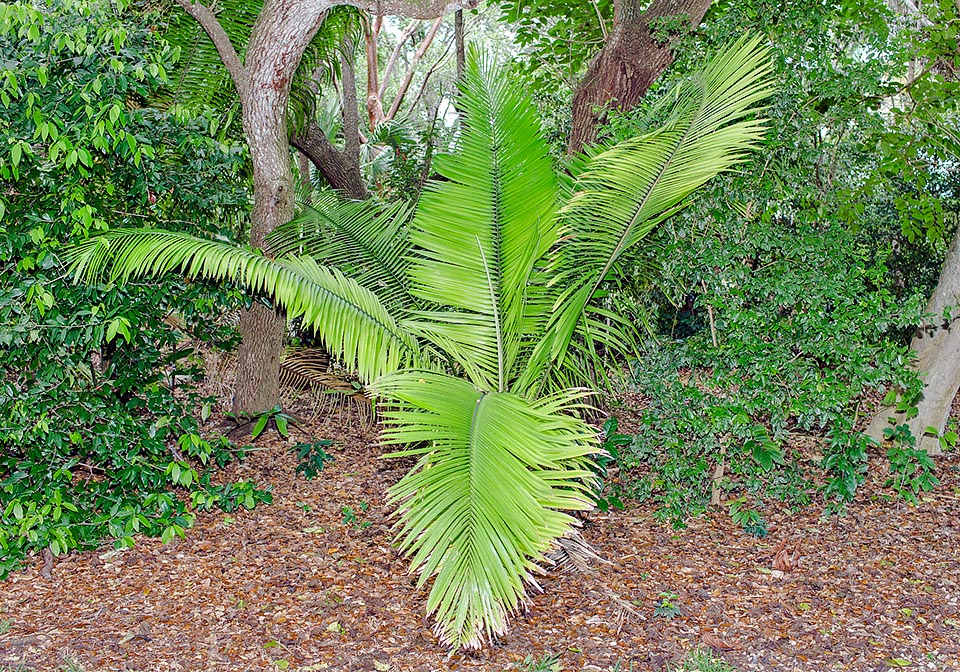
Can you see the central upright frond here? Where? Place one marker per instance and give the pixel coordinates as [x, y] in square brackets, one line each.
[480, 231]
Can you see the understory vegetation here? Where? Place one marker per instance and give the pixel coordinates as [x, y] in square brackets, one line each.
[737, 270]
[99, 410]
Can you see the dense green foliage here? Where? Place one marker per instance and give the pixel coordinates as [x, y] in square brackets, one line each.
[787, 292]
[97, 399]
[779, 302]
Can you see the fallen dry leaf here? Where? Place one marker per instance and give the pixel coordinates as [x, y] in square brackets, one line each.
[716, 643]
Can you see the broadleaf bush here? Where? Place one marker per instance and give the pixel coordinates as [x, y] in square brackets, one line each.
[97, 433]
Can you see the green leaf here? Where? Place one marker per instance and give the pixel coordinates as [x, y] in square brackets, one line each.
[112, 327]
[349, 319]
[502, 187]
[260, 425]
[485, 499]
[621, 193]
[281, 425]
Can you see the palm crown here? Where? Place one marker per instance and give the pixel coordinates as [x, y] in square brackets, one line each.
[473, 321]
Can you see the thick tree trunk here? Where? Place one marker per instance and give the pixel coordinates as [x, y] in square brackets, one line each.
[937, 346]
[630, 61]
[276, 45]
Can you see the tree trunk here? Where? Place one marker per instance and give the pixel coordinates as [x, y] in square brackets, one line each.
[340, 172]
[276, 45]
[262, 78]
[937, 346]
[630, 61]
[459, 39]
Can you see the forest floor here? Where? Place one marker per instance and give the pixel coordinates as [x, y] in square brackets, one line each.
[302, 585]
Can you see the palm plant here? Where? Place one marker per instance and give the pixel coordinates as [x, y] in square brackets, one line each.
[474, 323]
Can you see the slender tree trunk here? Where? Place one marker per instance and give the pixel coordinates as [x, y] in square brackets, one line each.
[418, 54]
[630, 61]
[371, 34]
[937, 346]
[303, 166]
[458, 38]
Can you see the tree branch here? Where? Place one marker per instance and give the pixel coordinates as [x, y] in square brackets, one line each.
[405, 84]
[335, 166]
[414, 9]
[407, 34]
[348, 105]
[211, 26]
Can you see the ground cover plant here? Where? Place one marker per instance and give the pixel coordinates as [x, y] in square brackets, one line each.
[481, 365]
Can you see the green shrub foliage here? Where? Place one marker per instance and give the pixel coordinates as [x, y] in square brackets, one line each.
[788, 292]
[96, 391]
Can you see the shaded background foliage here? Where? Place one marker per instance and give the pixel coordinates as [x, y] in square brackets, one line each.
[785, 296]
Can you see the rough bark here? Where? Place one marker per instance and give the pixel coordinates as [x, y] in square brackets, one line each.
[279, 37]
[337, 168]
[630, 61]
[937, 346]
[458, 38]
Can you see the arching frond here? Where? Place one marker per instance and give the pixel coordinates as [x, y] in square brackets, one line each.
[485, 501]
[349, 319]
[623, 192]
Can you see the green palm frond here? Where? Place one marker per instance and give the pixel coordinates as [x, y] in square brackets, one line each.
[480, 231]
[511, 294]
[200, 81]
[485, 501]
[623, 192]
[366, 240]
[349, 319]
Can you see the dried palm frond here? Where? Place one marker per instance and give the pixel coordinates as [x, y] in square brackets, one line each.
[309, 369]
[572, 553]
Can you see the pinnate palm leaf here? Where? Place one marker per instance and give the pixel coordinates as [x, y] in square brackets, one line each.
[368, 241]
[480, 231]
[623, 192]
[350, 320]
[485, 501]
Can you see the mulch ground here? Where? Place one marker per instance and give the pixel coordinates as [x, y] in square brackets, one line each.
[298, 585]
